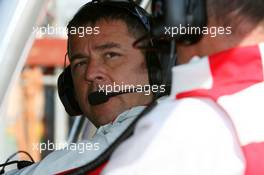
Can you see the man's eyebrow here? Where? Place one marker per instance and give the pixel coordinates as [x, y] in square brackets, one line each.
[77, 56]
[107, 46]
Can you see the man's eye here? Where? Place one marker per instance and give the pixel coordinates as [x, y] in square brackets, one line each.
[82, 63]
[112, 55]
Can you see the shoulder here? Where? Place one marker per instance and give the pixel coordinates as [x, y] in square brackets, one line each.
[191, 112]
[179, 134]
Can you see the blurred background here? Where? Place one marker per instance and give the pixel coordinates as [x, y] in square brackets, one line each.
[32, 50]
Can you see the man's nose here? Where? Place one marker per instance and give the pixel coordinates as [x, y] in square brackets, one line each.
[94, 71]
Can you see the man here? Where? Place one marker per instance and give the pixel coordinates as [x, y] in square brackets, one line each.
[98, 60]
[213, 122]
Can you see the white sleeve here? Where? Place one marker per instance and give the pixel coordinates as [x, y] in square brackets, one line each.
[186, 137]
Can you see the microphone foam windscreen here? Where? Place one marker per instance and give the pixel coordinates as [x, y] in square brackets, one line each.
[96, 98]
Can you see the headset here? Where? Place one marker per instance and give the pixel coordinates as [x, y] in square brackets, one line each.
[65, 84]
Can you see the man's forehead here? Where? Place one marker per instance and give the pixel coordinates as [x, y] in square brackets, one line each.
[106, 28]
[98, 44]
[115, 31]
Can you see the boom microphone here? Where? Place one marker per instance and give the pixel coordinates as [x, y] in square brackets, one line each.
[99, 97]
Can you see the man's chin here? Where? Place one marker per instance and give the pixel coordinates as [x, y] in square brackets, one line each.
[105, 113]
[101, 116]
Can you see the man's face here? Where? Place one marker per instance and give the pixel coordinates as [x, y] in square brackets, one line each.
[105, 59]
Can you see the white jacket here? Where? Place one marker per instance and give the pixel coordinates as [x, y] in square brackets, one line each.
[210, 124]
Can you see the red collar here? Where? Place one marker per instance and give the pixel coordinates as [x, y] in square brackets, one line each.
[231, 71]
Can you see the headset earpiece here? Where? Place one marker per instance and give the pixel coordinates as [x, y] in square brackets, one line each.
[172, 16]
[66, 93]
